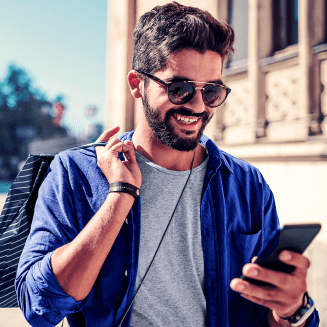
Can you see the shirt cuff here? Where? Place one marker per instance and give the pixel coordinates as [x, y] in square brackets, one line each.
[45, 291]
[262, 314]
[312, 321]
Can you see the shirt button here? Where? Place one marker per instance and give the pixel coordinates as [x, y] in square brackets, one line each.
[126, 221]
[207, 233]
[125, 272]
[213, 285]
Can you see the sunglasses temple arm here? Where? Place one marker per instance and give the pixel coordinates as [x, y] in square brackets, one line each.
[156, 79]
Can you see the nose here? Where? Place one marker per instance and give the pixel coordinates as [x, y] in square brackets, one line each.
[196, 102]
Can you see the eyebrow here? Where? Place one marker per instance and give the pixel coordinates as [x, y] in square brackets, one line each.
[185, 79]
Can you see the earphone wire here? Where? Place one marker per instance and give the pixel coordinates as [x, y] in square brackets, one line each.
[163, 236]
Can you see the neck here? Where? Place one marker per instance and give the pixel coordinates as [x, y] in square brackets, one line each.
[148, 146]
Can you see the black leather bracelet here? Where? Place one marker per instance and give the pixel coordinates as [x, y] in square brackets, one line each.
[125, 188]
[303, 313]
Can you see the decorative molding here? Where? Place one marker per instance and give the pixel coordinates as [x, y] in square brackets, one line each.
[283, 91]
[236, 110]
[319, 48]
[291, 151]
[287, 54]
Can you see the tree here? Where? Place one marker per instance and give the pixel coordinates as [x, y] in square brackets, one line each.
[25, 114]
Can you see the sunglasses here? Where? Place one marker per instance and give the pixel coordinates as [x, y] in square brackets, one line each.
[213, 95]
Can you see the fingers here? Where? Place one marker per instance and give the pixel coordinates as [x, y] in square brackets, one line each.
[130, 155]
[295, 259]
[283, 301]
[245, 287]
[125, 147]
[286, 291]
[279, 279]
[115, 146]
[105, 136]
[128, 150]
[112, 143]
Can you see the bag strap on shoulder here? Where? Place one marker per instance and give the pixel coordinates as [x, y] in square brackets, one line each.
[100, 143]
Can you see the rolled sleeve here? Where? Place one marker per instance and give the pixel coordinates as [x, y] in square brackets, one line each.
[42, 295]
[47, 291]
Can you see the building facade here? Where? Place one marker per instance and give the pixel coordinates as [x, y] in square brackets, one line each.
[275, 116]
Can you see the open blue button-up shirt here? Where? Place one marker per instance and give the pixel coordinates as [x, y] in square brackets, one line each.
[237, 217]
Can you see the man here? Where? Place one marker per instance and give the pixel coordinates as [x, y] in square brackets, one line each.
[92, 240]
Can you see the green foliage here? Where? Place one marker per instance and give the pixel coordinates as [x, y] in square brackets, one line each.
[25, 114]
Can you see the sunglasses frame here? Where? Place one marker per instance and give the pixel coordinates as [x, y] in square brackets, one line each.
[160, 81]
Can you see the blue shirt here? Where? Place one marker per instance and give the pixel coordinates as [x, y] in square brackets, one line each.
[238, 215]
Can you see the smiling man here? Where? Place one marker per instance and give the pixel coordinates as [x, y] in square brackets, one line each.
[160, 212]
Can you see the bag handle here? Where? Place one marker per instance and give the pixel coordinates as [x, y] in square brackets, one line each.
[100, 143]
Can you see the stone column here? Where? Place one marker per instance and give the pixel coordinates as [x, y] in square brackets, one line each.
[119, 104]
[305, 59]
[253, 41]
[255, 74]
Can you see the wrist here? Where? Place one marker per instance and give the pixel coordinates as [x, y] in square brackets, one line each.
[298, 318]
[121, 198]
[275, 321]
[122, 187]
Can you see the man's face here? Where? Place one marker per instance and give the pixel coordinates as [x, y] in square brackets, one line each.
[181, 126]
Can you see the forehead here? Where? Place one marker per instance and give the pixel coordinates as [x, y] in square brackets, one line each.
[193, 65]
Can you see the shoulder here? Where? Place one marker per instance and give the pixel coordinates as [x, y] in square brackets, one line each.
[237, 167]
[242, 168]
[76, 167]
[76, 158]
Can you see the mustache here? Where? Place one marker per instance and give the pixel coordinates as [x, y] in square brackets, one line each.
[186, 112]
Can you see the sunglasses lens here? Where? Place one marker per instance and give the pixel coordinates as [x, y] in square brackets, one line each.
[214, 95]
[180, 93]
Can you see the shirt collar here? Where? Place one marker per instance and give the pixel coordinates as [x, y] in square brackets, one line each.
[216, 156]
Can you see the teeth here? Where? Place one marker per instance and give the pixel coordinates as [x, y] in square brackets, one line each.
[186, 120]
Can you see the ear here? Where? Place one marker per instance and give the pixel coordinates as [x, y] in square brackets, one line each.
[135, 84]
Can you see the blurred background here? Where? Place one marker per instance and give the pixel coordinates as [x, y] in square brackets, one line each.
[52, 78]
[63, 68]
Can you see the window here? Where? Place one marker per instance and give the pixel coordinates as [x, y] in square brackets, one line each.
[238, 19]
[285, 23]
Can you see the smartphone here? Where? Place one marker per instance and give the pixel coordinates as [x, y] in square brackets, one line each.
[295, 238]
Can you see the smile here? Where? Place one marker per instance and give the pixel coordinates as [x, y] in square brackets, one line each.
[186, 120]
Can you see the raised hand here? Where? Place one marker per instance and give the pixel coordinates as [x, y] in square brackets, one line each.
[286, 295]
[112, 167]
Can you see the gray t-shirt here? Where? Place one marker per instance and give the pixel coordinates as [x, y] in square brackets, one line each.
[173, 291]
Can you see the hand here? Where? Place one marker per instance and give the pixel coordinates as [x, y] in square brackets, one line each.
[112, 167]
[286, 296]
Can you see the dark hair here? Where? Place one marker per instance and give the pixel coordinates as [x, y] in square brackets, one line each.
[168, 29]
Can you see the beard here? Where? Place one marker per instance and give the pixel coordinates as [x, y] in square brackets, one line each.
[163, 129]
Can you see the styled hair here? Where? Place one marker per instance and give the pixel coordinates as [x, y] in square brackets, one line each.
[168, 29]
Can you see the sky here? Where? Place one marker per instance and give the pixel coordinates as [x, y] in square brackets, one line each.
[62, 46]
